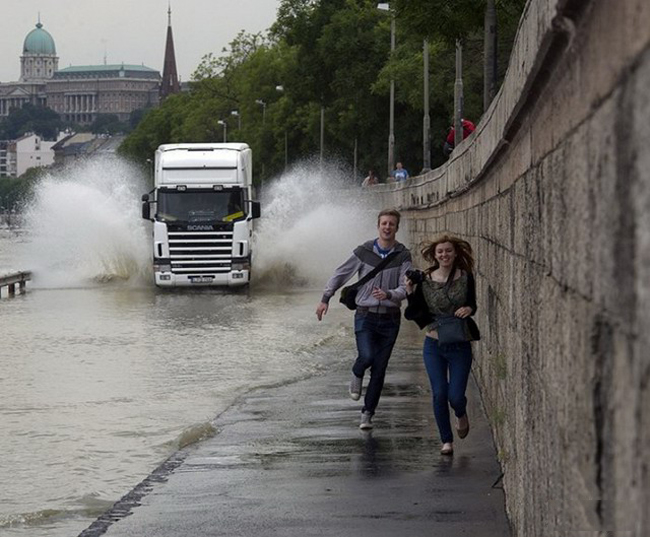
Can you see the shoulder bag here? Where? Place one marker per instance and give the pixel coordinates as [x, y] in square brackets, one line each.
[452, 329]
[348, 296]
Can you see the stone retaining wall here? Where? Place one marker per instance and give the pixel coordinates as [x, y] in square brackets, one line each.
[553, 192]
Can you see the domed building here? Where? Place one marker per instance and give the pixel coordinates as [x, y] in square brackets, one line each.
[79, 93]
[39, 60]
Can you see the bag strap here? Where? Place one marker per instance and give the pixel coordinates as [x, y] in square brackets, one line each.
[381, 266]
[450, 280]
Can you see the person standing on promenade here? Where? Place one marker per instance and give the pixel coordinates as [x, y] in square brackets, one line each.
[371, 179]
[400, 173]
[442, 299]
[377, 315]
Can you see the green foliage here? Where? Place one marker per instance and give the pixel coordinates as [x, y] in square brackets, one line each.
[136, 116]
[108, 124]
[15, 192]
[37, 119]
[442, 19]
[335, 55]
[159, 126]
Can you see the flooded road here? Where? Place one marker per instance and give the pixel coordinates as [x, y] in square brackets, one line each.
[103, 376]
[98, 386]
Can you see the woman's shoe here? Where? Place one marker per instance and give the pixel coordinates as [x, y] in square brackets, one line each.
[462, 426]
[447, 449]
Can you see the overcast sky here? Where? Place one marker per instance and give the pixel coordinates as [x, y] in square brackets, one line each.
[129, 31]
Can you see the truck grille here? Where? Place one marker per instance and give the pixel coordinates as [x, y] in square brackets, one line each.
[200, 252]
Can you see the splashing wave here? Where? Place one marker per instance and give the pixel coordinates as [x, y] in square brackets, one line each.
[311, 222]
[84, 226]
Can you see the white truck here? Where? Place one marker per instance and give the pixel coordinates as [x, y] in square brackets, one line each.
[202, 214]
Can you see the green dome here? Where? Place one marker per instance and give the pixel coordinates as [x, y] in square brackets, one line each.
[39, 41]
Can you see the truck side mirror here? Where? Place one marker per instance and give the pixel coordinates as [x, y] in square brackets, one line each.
[146, 208]
[255, 209]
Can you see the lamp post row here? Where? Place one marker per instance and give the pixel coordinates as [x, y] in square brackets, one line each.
[426, 120]
[262, 103]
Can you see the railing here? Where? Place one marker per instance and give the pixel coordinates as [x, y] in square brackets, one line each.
[11, 280]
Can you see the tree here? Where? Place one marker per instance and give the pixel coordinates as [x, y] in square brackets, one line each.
[161, 125]
[463, 20]
[108, 124]
[40, 120]
[332, 55]
[16, 191]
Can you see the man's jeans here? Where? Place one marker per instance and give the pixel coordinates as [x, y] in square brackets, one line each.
[375, 334]
[448, 366]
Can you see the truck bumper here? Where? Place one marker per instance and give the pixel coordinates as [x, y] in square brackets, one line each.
[235, 278]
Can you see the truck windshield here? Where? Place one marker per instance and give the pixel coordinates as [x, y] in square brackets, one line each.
[195, 206]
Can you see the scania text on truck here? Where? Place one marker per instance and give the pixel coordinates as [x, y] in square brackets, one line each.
[202, 214]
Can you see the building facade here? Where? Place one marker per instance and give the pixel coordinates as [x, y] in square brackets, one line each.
[7, 159]
[78, 94]
[31, 151]
[28, 151]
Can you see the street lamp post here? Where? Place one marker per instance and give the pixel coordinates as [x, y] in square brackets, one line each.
[426, 122]
[225, 129]
[263, 105]
[490, 52]
[322, 135]
[458, 96]
[236, 113]
[385, 6]
[286, 137]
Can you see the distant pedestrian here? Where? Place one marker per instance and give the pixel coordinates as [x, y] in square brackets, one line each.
[400, 173]
[377, 315]
[450, 142]
[442, 299]
[371, 179]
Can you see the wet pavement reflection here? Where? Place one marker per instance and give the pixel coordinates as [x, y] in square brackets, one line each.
[292, 461]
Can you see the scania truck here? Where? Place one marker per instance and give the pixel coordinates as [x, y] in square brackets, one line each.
[202, 213]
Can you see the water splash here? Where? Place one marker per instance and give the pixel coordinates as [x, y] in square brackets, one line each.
[311, 221]
[84, 226]
[194, 434]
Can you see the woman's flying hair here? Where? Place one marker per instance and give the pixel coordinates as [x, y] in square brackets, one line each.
[464, 255]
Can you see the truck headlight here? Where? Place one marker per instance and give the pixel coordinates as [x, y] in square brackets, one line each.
[162, 268]
[241, 266]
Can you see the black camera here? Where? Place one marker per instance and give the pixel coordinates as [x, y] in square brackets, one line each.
[416, 276]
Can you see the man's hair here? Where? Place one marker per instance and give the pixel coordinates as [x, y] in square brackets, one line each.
[389, 212]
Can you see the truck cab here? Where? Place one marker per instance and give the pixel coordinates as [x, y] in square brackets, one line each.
[202, 213]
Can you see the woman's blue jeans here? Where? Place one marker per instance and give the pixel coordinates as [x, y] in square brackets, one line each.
[375, 334]
[448, 366]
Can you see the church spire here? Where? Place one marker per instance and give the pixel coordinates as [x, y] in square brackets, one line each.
[170, 83]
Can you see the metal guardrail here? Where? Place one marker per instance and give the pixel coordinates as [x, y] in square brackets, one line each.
[11, 280]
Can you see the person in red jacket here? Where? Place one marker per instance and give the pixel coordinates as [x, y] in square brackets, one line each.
[468, 128]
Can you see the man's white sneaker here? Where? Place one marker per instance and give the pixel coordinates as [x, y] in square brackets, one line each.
[366, 421]
[355, 387]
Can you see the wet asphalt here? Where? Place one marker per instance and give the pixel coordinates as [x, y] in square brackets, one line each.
[291, 461]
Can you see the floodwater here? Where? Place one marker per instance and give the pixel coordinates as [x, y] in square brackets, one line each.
[103, 376]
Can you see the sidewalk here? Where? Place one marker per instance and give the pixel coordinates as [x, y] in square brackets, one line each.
[291, 461]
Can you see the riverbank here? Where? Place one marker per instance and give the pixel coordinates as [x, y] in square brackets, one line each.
[292, 461]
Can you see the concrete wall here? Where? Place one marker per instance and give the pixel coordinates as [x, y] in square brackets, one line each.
[553, 192]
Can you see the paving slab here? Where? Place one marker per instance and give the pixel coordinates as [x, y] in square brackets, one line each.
[291, 461]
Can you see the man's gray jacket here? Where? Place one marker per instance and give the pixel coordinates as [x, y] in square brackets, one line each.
[390, 279]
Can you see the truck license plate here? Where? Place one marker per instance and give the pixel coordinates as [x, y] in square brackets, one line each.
[202, 279]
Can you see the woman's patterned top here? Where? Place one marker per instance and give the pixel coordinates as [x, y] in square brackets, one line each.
[444, 302]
